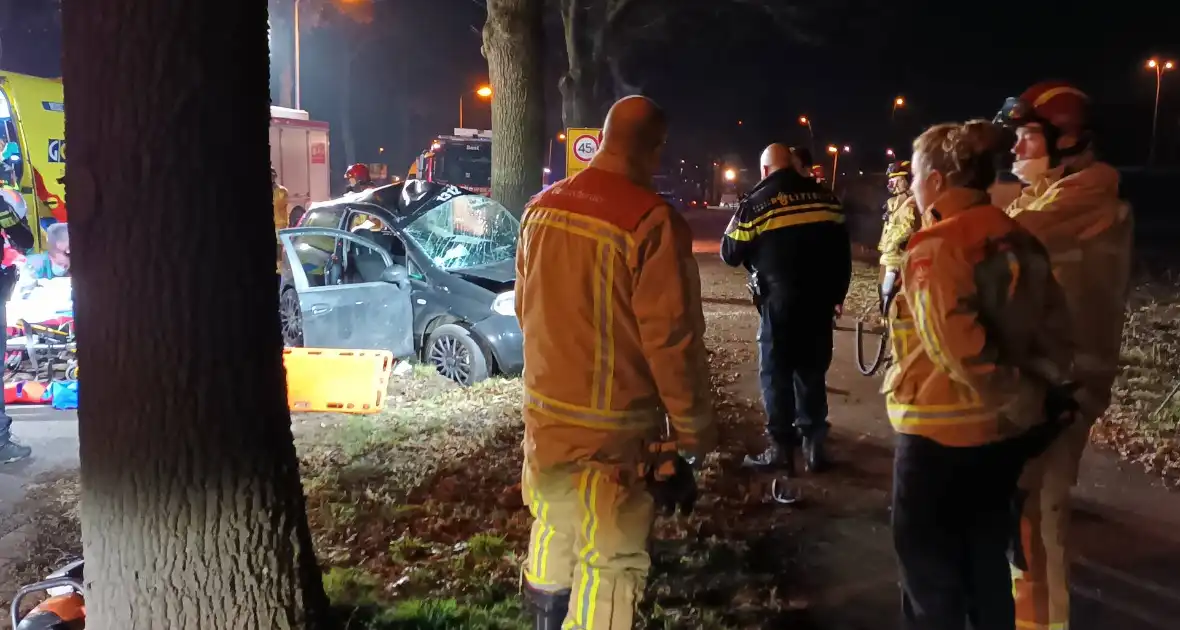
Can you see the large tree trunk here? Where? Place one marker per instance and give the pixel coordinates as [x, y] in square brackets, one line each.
[513, 44]
[192, 510]
[578, 86]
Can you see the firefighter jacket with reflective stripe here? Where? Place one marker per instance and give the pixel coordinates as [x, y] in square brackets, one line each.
[278, 198]
[791, 230]
[609, 300]
[900, 222]
[1088, 232]
[980, 329]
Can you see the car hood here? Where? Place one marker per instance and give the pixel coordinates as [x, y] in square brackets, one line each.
[496, 278]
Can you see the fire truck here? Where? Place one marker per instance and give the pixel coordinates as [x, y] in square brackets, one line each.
[463, 159]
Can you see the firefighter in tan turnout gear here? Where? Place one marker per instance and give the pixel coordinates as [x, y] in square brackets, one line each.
[608, 297]
[901, 220]
[1072, 205]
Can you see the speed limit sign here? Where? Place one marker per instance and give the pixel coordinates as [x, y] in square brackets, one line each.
[581, 148]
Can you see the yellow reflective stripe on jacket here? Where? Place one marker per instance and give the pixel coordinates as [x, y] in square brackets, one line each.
[950, 425]
[688, 426]
[612, 242]
[787, 217]
[579, 224]
[590, 418]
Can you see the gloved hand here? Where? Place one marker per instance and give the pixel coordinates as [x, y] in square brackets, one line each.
[671, 482]
[676, 492]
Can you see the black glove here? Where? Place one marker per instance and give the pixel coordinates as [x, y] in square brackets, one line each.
[673, 486]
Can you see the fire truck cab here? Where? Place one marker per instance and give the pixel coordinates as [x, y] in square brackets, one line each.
[463, 159]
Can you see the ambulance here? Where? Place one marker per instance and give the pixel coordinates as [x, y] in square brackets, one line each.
[33, 148]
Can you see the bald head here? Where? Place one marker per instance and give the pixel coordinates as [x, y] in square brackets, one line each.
[775, 158]
[633, 138]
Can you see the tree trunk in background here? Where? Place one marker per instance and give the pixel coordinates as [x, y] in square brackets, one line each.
[192, 510]
[513, 45]
[579, 107]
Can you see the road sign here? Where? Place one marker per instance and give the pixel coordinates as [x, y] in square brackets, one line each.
[581, 147]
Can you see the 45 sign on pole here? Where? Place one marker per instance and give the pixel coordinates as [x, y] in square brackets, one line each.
[580, 147]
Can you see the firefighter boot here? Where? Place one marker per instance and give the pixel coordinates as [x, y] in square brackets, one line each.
[776, 456]
[548, 609]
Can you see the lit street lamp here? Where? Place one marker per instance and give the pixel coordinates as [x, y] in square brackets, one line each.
[836, 160]
[484, 92]
[549, 163]
[897, 102]
[1160, 67]
[889, 153]
[730, 174]
[806, 122]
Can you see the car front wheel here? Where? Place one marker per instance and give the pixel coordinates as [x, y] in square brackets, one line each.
[292, 318]
[455, 354]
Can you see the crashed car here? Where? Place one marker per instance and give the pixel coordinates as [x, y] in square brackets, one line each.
[420, 269]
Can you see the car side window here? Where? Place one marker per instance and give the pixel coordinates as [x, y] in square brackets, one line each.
[322, 218]
[415, 271]
[374, 228]
[319, 263]
[364, 263]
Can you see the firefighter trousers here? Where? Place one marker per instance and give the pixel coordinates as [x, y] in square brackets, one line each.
[951, 529]
[1040, 572]
[794, 354]
[590, 536]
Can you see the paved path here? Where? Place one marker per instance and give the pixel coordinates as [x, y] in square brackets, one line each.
[1126, 523]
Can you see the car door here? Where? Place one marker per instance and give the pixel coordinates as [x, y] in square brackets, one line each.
[343, 298]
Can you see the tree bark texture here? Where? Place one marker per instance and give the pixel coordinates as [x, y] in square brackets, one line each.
[513, 45]
[192, 510]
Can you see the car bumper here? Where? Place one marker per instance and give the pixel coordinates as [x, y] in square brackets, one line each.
[503, 336]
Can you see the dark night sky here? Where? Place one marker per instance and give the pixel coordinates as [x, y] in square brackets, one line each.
[949, 62]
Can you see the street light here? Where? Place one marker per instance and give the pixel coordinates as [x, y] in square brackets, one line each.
[1160, 67]
[730, 174]
[897, 102]
[889, 153]
[549, 163]
[806, 122]
[836, 160]
[483, 91]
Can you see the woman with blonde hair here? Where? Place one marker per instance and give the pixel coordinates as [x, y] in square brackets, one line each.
[979, 334]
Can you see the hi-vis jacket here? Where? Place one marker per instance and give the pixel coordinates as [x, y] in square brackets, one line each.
[901, 221]
[1088, 232]
[278, 198]
[979, 330]
[609, 299]
[791, 230]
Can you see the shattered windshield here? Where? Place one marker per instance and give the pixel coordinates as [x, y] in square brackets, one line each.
[466, 231]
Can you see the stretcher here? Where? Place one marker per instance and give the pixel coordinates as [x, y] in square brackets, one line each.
[48, 347]
[40, 332]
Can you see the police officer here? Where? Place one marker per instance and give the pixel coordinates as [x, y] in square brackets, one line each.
[901, 220]
[789, 233]
[21, 238]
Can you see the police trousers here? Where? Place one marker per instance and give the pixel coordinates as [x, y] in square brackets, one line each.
[590, 537]
[794, 354]
[952, 519]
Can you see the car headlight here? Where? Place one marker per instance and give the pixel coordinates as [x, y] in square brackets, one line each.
[505, 303]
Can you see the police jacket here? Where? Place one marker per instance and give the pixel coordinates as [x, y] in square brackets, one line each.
[791, 231]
